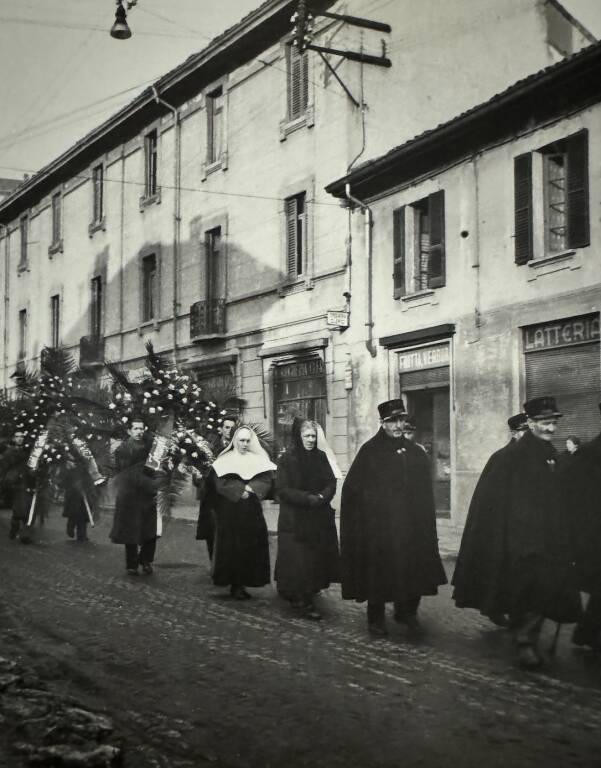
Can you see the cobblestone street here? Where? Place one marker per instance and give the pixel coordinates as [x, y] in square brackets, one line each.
[190, 677]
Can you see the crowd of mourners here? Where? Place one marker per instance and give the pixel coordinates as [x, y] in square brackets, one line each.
[530, 546]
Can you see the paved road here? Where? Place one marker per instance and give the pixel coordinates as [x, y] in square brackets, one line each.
[192, 677]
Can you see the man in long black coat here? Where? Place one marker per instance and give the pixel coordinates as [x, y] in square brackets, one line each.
[479, 566]
[389, 545]
[584, 478]
[19, 483]
[135, 521]
[532, 571]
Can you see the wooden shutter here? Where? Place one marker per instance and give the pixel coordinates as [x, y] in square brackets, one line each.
[298, 82]
[436, 272]
[578, 203]
[522, 171]
[291, 240]
[398, 244]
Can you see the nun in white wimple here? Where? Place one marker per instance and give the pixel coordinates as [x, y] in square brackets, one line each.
[308, 559]
[241, 477]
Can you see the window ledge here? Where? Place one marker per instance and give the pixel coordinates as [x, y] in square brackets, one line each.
[95, 226]
[306, 120]
[287, 287]
[55, 248]
[554, 262]
[149, 325]
[217, 165]
[418, 299]
[147, 200]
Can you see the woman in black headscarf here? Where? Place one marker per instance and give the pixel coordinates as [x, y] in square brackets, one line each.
[308, 558]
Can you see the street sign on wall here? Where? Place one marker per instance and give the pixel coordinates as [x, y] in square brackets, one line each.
[337, 318]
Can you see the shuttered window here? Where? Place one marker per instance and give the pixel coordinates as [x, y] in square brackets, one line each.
[214, 125]
[150, 158]
[298, 82]
[571, 375]
[398, 242]
[149, 287]
[54, 320]
[578, 197]
[294, 210]
[522, 171]
[56, 217]
[96, 307]
[436, 265]
[566, 198]
[98, 193]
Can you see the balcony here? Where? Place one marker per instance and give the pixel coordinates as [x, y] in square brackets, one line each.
[207, 319]
[91, 351]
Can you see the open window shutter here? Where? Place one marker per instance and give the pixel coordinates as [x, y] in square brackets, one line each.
[522, 170]
[294, 91]
[304, 82]
[398, 242]
[210, 129]
[578, 205]
[436, 277]
[291, 245]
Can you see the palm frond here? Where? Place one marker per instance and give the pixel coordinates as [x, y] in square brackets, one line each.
[155, 362]
[120, 377]
[265, 435]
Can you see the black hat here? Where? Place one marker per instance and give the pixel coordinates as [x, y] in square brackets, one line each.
[519, 421]
[409, 425]
[542, 408]
[391, 408]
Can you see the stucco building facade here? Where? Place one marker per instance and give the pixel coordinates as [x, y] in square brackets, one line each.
[197, 218]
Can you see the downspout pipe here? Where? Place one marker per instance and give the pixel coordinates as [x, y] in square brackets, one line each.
[176, 207]
[369, 323]
[6, 306]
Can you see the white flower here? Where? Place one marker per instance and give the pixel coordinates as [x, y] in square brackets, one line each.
[155, 391]
[124, 419]
[146, 394]
[112, 406]
[184, 399]
[194, 455]
[152, 410]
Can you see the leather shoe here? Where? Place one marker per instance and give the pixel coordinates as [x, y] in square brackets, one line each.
[147, 568]
[498, 619]
[528, 658]
[132, 571]
[584, 635]
[377, 629]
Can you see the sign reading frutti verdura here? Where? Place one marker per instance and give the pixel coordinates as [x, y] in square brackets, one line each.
[434, 356]
[562, 333]
[338, 318]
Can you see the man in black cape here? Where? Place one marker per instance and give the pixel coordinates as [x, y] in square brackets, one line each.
[584, 479]
[532, 571]
[389, 546]
[480, 560]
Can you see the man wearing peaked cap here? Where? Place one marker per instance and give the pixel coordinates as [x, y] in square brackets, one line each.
[584, 503]
[476, 577]
[389, 547]
[529, 576]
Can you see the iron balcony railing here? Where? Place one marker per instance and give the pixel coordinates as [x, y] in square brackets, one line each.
[91, 351]
[207, 318]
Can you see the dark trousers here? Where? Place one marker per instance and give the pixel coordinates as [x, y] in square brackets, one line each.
[376, 611]
[526, 629]
[136, 555]
[77, 527]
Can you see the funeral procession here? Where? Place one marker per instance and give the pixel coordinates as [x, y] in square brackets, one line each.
[300, 383]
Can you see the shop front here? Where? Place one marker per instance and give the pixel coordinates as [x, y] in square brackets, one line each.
[299, 389]
[420, 372]
[562, 359]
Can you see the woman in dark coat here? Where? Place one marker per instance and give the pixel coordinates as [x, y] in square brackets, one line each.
[239, 480]
[135, 521]
[308, 559]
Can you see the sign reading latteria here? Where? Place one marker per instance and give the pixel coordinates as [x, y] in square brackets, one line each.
[562, 333]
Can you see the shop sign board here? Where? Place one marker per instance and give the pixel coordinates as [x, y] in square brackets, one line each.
[435, 356]
[561, 333]
[337, 318]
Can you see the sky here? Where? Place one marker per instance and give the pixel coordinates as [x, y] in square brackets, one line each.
[62, 73]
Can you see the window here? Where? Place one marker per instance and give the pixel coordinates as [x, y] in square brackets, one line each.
[562, 214]
[55, 321]
[215, 125]
[150, 160]
[96, 307]
[298, 82]
[98, 194]
[295, 213]
[22, 352]
[419, 246]
[24, 230]
[215, 266]
[56, 218]
[299, 389]
[149, 287]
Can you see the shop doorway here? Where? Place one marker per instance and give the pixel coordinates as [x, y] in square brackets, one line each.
[430, 410]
